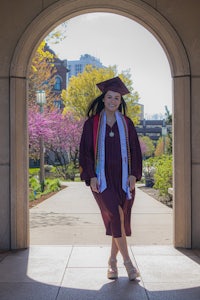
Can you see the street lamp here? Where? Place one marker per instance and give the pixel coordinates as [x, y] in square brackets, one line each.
[164, 133]
[41, 100]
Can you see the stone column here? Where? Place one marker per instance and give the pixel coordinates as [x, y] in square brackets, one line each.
[195, 132]
[19, 164]
[182, 162]
[4, 165]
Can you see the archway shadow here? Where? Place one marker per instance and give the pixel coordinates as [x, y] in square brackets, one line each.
[34, 274]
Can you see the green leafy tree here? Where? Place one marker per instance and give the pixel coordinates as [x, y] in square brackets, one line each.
[168, 120]
[162, 146]
[57, 35]
[150, 148]
[168, 116]
[41, 75]
[42, 70]
[82, 90]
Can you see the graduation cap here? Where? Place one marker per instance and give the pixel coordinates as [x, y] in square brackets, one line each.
[114, 84]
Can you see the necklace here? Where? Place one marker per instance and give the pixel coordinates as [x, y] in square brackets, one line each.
[111, 133]
[110, 122]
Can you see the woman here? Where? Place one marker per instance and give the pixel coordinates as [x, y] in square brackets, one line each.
[111, 163]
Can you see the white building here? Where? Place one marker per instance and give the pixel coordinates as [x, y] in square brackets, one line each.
[78, 66]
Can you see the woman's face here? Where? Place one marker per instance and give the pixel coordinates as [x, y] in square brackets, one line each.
[112, 101]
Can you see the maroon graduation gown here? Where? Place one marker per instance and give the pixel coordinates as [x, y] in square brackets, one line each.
[114, 196]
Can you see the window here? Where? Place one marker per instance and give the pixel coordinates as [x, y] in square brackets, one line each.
[78, 69]
[57, 85]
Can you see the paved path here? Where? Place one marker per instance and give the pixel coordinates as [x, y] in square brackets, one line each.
[72, 217]
[68, 256]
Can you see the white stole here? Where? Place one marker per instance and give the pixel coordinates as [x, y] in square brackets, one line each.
[100, 168]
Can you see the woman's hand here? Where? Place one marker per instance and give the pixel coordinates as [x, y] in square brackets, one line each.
[94, 184]
[131, 182]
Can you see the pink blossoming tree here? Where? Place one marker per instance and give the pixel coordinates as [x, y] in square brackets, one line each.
[61, 134]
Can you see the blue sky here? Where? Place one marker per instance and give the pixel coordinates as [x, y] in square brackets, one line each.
[117, 40]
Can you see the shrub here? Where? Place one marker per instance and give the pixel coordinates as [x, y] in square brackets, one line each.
[34, 171]
[34, 188]
[51, 185]
[163, 174]
[159, 171]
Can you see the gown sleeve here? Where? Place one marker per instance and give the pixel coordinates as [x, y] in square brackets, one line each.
[86, 153]
[135, 151]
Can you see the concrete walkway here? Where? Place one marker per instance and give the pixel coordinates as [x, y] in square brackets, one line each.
[68, 255]
[72, 217]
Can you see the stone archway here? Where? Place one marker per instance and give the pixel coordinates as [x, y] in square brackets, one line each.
[173, 47]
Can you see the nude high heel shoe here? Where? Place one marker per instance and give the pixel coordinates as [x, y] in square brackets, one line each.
[133, 273]
[112, 272]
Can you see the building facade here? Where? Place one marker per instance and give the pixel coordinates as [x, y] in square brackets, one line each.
[151, 128]
[60, 77]
[77, 66]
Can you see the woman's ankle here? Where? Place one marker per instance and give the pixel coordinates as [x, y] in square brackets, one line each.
[112, 259]
[126, 259]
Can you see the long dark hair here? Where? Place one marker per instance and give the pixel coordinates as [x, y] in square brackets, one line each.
[97, 105]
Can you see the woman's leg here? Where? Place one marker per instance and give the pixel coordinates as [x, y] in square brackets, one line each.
[123, 248]
[114, 249]
[112, 263]
[121, 242]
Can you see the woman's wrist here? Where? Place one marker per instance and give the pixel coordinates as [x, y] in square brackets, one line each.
[94, 184]
[93, 178]
[133, 176]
